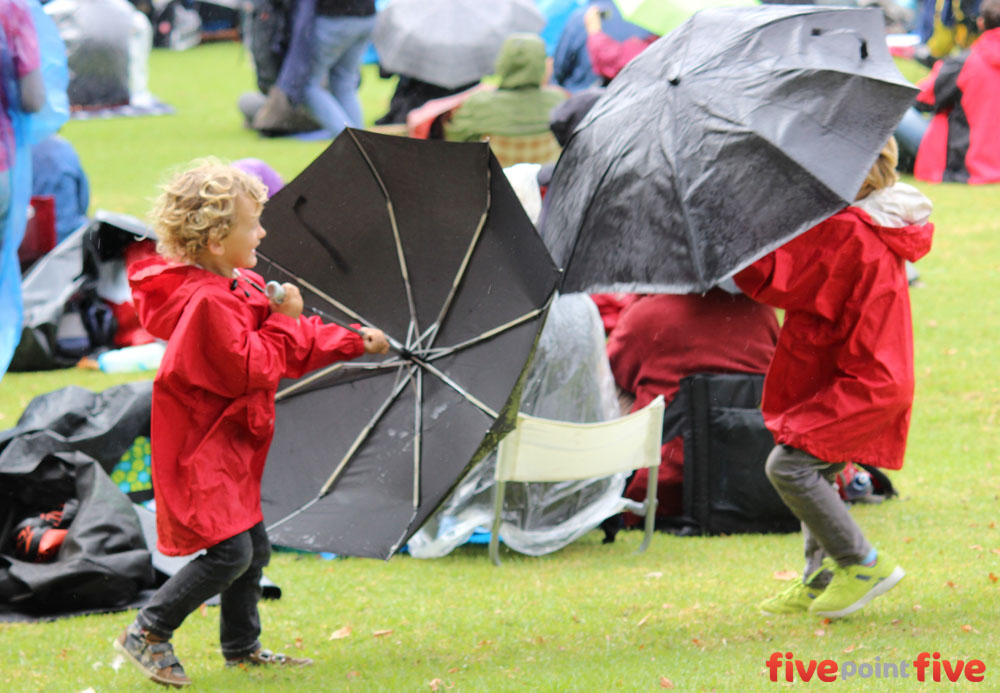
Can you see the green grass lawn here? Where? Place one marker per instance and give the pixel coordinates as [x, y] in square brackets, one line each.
[591, 617]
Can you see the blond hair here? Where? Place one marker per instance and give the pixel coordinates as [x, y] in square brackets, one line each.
[198, 205]
[883, 171]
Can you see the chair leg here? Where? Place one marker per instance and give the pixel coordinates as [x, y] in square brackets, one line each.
[498, 493]
[651, 484]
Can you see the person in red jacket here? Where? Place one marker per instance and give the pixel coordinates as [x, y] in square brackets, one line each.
[840, 386]
[213, 407]
[659, 339]
[962, 141]
[607, 56]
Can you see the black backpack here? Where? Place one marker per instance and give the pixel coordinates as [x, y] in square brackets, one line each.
[268, 34]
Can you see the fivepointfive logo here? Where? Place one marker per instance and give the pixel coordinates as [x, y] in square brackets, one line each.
[783, 666]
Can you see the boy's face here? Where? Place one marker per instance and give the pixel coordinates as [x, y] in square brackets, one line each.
[239, 248]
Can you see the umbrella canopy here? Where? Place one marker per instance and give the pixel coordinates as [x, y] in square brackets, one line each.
[427, 241]
[449, 42]
[663, 16]
[720, 142]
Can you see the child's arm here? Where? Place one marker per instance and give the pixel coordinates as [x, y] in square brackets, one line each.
[791, 276]
[220, 347]
[326, 339]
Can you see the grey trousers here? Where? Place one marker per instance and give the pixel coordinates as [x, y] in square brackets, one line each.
[805, 483]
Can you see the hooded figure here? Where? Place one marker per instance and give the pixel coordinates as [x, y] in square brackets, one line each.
[962, 141]
[214, 393]
[840, 385]
[519, 106]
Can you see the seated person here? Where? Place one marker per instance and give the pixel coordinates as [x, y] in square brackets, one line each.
[962, 141]
[519, 106]
[282, 70]
[607, 55]
[662, 338]
[56, 171]
[97, 50]
[571, 67]
[413, 93]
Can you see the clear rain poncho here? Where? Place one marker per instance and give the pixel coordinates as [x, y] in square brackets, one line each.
[569, 380]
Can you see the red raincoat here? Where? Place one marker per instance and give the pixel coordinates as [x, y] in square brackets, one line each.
[660, 339]
[213, 397]
[962, 142]
[840, 385]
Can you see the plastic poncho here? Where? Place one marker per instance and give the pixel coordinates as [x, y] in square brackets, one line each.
[569, 380]
[26, 130]
[213, 397]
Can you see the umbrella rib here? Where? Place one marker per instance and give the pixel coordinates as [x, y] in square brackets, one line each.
[433, 330]
[363, 365]
[418, 418]
[396, 346]
[319, 292]
[441, 352]
[350, 453]
[364, 433]
[400, 255]
[456, 387]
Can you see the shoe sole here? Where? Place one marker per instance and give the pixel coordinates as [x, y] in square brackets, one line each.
[881, 588]
[783, 613]
[145, 672]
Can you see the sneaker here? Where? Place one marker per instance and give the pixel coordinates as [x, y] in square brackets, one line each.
[854, 586]
[154, 658]
[796, 599]
[268, 658]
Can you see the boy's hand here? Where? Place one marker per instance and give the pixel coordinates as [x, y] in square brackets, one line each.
[292, 305]
[375, 341]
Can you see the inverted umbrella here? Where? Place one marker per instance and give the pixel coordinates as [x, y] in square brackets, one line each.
[720, 142]
[449, 42]
[427, 241]
[663, 16]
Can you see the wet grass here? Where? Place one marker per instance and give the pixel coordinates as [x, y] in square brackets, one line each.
[591, 617]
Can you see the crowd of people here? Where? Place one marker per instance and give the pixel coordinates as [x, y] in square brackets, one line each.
[839, 367]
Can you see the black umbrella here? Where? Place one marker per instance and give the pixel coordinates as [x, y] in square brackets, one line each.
[721, 141]
[427, 241]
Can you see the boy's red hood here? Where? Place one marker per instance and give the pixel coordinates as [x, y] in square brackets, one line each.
[161, 289]
[898, 215]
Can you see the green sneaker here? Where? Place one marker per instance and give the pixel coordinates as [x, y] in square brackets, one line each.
[854, 586]
[794, 600]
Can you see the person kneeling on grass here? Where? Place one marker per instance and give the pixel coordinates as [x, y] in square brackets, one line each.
[840, 386]
[213, 407]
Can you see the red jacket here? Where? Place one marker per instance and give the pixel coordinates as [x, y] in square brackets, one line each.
[840, 385]
[962, 142]
[213, 397]
[660, 339]
[608, 57]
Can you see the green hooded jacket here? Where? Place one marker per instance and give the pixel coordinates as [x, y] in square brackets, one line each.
[519, 106]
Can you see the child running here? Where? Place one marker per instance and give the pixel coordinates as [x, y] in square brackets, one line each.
[213, 407]
[840, 386]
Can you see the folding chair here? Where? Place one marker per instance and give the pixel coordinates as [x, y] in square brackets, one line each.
[546, 450]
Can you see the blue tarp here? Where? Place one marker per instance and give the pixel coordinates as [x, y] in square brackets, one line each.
[27, 130]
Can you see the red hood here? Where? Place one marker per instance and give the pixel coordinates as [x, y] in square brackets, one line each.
[988, 46]
[898, 215]
[161, 290]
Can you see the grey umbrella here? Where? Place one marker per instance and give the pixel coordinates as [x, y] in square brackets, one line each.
[720, 142]
[449, 42]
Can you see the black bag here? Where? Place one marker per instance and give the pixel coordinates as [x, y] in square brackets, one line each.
[725, 448]
[269, 30]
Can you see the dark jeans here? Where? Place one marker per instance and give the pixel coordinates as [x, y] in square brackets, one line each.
[232, 568]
